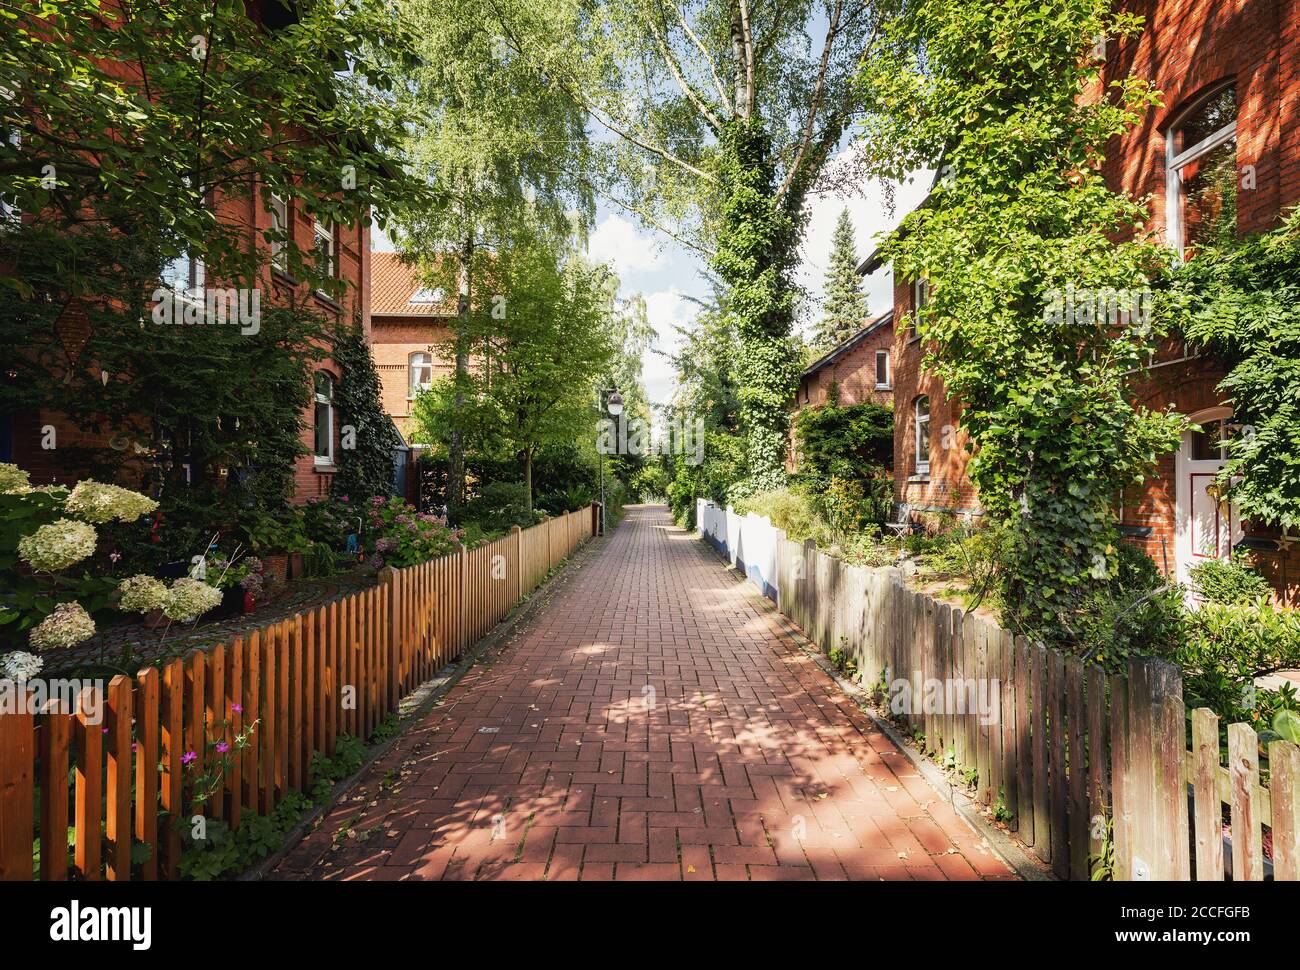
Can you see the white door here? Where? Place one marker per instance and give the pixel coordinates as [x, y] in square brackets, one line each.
[1207, 526]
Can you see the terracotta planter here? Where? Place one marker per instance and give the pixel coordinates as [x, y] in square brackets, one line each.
[295, 565]
[154, 619]
[276, 567]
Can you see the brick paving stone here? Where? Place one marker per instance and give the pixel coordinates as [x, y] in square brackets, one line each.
[655, 720]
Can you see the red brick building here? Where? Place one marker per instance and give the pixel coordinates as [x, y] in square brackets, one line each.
[408, 335]
[1223, 153]
[347, 251]
[861, 369]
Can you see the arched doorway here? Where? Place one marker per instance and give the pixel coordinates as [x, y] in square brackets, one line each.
[1206, 525]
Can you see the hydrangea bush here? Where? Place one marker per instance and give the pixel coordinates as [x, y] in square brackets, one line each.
[50, 585]
[403, 536]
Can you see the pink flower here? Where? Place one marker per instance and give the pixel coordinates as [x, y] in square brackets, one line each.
[188, 757]
[222, 747]
[237, 708]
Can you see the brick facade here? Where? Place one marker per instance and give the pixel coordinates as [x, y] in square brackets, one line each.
[1186, 49]
[401, 328]
[851, 367]
[240, 205]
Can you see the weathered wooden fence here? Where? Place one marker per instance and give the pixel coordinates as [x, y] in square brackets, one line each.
[1076, 761]
[84, 793]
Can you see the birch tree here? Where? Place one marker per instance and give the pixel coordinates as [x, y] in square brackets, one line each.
[718, 117]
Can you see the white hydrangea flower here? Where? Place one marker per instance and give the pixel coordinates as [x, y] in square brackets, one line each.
[21, 665]
[67, 626]
[188, 599]
[142, 593]
[12, 478]
[97, 502]
[57, 546]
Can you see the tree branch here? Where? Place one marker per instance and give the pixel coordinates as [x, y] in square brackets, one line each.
[717, 81]
[814, 104]
[709, 117]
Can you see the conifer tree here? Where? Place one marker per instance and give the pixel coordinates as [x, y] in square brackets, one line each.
[844, 304]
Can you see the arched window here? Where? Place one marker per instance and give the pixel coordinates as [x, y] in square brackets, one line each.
[921, 427]
[1202, 172]
[421, 373]
[324, 441]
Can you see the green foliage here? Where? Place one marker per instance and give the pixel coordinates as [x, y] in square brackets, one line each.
[791, 510]
[1242, 302]
[1227, 648]
[498, 506]
[756, 248]
[145, 112]
[549, 337]
[365, 468]
[399, 535]
[843, 303]
[853, 441]
[1022, 211]
[1232, 583]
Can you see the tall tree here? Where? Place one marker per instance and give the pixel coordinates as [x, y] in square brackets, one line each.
[497, 146]
[844, 306]
[723, 115]
[548, 341]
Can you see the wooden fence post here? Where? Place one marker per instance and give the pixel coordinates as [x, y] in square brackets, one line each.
[518, 591]
[393, 646]
[17, 797]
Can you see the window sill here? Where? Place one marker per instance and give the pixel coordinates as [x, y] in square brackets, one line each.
[327, 300]
[283, 277]
[324, 468]
[921, 478]
[884, 387]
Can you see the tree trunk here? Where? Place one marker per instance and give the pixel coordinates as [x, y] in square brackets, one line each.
[528, 476]
[757, 245]
[456, 447]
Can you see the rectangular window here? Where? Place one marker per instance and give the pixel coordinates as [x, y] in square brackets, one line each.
[1202, 174]
[920, 297]
[280, 224]
[922, 428]
[882, 369]
[323, 246]
[324, 430]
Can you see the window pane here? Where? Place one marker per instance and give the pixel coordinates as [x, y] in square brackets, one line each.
[923, 440]
[882, 367]
[1213, 115]
[1209, 197]
[922, 407]
[323, 430]
[324, 385]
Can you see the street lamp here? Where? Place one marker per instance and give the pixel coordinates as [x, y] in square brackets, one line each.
[613, 403]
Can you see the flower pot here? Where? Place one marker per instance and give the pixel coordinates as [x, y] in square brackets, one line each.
[154, 619]
[295, 565]
[249, 601]
[276, 567]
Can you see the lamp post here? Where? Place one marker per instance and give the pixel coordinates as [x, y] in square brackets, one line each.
[611, 401]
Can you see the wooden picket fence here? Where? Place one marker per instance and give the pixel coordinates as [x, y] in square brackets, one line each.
[67, 780]
[1082, 765]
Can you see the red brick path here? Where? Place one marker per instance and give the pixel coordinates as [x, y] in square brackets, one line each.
[653, 721]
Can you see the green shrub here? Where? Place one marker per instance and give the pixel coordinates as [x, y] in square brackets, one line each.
[1227, 647]
[1232, 582]
[498, 506]
[791, 511]
[1139, 612]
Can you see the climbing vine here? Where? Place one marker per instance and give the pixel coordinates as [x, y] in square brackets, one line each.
[1242, 303]
[755, 252]
[1021, 216]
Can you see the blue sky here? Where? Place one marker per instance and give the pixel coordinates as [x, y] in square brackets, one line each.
[649, 263]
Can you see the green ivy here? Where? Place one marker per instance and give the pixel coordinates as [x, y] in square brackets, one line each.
[1242, 303]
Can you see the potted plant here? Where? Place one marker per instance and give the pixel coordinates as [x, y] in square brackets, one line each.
[275, 537]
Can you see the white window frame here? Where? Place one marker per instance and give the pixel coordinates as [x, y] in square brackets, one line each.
[413, 387]
[889, 373]
[425, 296]
[920, 297]
[1176, 162]
[280, 223]
[921, 427]
[321, 230]
[328, 400]
[185, 276]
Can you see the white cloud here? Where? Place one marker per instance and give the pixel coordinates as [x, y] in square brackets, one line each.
[618, 242]
[666, 310]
